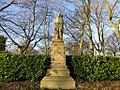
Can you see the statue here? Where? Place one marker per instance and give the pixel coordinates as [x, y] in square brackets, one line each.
[58, 27]
[58, 74]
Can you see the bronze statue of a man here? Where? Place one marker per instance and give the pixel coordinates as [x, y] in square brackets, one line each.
[58, 27]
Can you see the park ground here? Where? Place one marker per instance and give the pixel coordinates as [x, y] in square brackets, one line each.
[29, 85]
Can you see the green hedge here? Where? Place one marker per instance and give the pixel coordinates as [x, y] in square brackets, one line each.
[92, 68]
[34, 67]
[23, 67]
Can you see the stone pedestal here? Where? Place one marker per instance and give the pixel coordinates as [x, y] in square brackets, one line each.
[58, 75]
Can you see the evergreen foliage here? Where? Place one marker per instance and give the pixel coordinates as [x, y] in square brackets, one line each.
[34, 67]
[23, 67]
[94, 68]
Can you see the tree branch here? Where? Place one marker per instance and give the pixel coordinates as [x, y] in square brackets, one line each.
[9, 36]
[7, 5]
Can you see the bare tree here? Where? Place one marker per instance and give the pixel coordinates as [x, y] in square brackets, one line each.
[25, 25]
[80, 26]
[110, 20]
[46, 27]
[82, 21]
[99, 19]
[112, 45]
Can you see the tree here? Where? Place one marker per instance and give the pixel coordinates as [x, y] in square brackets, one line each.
[30, 24]
[46, 27]
[110, 20]
[99, 20]
[112, 45]
[80, 26]
[82, 20]
[25, 24]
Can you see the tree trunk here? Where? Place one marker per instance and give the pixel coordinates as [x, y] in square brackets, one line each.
[81, 40]
[45, 38]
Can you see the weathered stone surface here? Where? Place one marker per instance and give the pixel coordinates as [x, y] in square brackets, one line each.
[58, 74]
[55, 82]
[58, 53]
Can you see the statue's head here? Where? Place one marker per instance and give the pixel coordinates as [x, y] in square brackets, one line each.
[60, 15]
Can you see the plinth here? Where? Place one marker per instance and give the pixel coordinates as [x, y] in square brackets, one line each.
[58, 74]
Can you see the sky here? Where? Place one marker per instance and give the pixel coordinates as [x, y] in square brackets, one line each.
[70, 6]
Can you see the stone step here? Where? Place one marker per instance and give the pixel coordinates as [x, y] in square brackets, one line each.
[58, 66]
[58, 72]
[55, 82]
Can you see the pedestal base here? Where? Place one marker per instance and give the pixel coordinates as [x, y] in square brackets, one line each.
[58, 77]
[56, 82]
[58, 74]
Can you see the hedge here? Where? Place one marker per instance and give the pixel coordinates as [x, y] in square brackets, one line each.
[94, 68]
[23, 67]
[34, 67]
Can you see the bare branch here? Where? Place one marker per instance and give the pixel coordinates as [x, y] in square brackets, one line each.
[9, 36]
[7, 5]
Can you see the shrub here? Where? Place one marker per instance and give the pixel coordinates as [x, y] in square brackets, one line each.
[94, 68]
[34, 67]
[23, 67]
